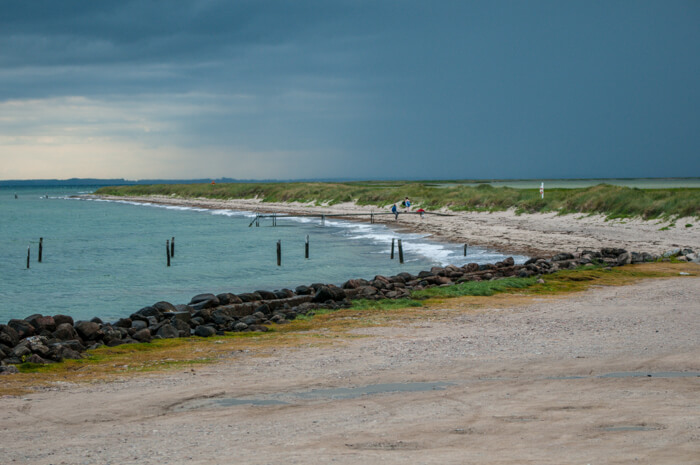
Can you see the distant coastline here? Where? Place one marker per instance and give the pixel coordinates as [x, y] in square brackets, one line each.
[648, 183]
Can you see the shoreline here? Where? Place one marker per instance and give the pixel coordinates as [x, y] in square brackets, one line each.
[534, 235]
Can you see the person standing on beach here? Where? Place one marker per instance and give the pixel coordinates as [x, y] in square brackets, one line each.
[406, 204]
[395, 212]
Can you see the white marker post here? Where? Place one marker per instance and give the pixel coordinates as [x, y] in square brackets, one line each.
[542, 190]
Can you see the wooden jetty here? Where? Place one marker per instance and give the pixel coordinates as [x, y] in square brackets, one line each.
[322, 216]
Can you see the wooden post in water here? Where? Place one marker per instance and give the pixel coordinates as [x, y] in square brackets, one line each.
[279, 253]
[323, 220]
[167, 250]
[371, 218]
[41, 248]
[465, 250]
[392, 248]
[172, 247]
[306, 248]
[29, 248]
[400, 252]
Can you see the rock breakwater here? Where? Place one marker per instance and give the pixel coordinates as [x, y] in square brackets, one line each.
[50, 339]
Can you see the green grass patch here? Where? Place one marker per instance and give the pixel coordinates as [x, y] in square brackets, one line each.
[312, 313]
[384, 304]
[475, 288]
[615, 202]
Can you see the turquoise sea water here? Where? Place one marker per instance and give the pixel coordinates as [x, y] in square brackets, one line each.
[108, 259]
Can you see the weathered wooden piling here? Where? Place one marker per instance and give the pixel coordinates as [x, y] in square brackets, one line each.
[371, 218]
[323, 220]
[465, 250]
[306, 247]
[167, 250]
[400, 252]
[41, 248]
[279, 253]
[29, 251]
[172, 247]
[392, 248]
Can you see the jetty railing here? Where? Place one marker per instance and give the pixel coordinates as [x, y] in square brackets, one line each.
[323, 216]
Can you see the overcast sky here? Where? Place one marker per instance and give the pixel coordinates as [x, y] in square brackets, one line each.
[349, 89]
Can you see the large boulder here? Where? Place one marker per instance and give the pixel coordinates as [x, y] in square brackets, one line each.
[111, 335]
[8, 370]
[65, 352]
[227, 298]
[284, 293]
[303, 290]
[267, 295]
[43, 323]
[138, 325]
[184, 308]
[322, 294]
[220, 318]
[263, 309]
[36, 358]
[624, 259]
[355, 283]
[147, 312]
[164, 307]
[184, 317]
[167, 331]
[182, 327]
[470, 267]
[123, 323]
[60, 319]
[65, 332]
[612, 252]
[8, 336]
[201, 301]
[204, 331]
[88, 330]
[22, 327]
[142, 335]
[330, 292]
[250, 297]
[38, 345]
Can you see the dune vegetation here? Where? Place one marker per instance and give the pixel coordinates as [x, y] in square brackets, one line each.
[609, 200]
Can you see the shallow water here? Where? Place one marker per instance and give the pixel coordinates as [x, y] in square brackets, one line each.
[108, 259]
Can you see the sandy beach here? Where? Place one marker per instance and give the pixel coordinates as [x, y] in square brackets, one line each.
[608, 376]
[529, 234]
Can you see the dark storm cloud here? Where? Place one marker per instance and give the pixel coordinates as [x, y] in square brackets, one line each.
[157, 46]
[374, 89]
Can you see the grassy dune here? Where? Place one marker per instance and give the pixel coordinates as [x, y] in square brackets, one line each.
[612, 201]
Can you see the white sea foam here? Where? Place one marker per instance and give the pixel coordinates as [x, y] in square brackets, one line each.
[414, 245]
